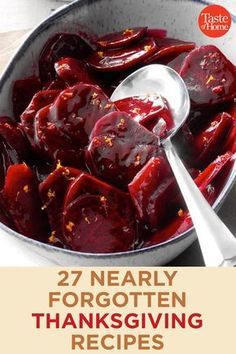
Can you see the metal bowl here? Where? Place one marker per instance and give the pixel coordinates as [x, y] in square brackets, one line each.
[101, 16]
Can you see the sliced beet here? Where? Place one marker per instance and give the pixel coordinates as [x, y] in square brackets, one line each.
[57, 84]
[53, 191]
[61, 45]
[89, 185]
[175, 61]
[210, 77]
[20, 193]
[15, 139]
[52, 143]
[121, 39]
[77, 109]
[23, 91]
[73, 71]
[169, 46]
[230, 143]
[156, 33]
[14, 148]
[5, 217]
[40, 100]
[207, 176]
[210, 180]
[86, 185]
[120, 147]
[174, 228]
[6, 160]
[151, 191]
[206, 183]
[208, 143]
[91, 224]
[148, 110]
[122, 59]
[62, 129]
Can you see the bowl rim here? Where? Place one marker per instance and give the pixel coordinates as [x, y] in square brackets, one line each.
[7, 72]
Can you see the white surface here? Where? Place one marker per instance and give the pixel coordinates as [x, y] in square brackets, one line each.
[24, 14]
[12, 256]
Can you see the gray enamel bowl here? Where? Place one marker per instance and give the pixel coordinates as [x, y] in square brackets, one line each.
[101, 16]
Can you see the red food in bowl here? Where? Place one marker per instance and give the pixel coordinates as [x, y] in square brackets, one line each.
[81, 172]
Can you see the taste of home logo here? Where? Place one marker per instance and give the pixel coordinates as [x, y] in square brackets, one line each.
[214, 21]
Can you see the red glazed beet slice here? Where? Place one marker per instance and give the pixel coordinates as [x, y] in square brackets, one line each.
[230, 143]
[57, 84]
[207, 180]
[52, 143]
[149, 111]
[14, 148]
[6, 160]
[210, 77]
[183, 222]
[208, 143]
[77, 109]
[156, 33]
[210, 173]
[5, 218]
[174, 228]
[73, 71]
[120, 147]
[52, 192]
[15, 139]
[23, 91]
[169, 46]
[40, 100]
[121, 39]
[122, 59]
[151, 190]
[61, 45]
[89, 185]
[91, 224]
[175, 62]
[20, 193]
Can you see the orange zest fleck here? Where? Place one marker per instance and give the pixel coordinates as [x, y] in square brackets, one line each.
[58, 164]
[108, 140]
[128, 31]
[70, 226]
[147, 48]
[137, 160]
[103, 199]
[51, 194]
[26, 188]
[122, 122]
[87, 220]
[210, 78]
[108, 105]
[94, 95]
[67, 95]
[52, 238]
[136, 110]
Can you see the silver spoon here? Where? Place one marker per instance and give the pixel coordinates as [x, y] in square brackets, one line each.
[217, 243]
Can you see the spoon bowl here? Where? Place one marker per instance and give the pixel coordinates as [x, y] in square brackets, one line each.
[153, 79]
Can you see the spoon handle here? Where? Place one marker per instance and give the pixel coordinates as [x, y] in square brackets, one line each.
[217, 243]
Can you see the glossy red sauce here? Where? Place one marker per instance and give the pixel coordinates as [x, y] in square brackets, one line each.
[81, 172]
